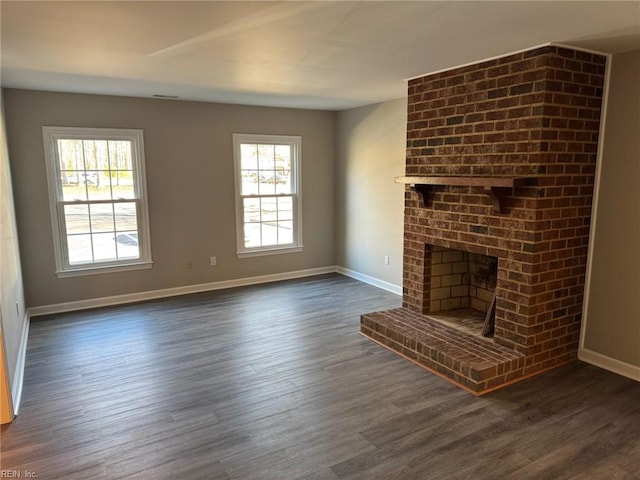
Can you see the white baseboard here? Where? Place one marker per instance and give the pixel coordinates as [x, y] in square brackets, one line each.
[376, 282]
[608, 363]
[172, 292]
[18, 376]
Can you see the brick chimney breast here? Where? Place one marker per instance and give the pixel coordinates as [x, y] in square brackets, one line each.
[532, 115]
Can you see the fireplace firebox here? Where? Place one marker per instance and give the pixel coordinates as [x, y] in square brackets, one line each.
[463, 289]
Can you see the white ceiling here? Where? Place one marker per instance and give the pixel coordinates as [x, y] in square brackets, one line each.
[328, 55]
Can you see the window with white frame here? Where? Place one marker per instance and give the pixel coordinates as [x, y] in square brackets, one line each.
[267, 170]
[98, 199]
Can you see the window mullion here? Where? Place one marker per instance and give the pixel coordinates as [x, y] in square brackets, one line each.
[277, 220]
[93, 253]
[109, 168]
[261, 224]
[115, 232]
[84, 171]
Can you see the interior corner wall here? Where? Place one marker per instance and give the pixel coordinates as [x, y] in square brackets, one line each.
[189, 164]
[611, 332]
[371, 143]
[12, 302]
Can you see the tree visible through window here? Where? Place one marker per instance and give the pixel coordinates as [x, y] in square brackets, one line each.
[267, 183]
[98, 201]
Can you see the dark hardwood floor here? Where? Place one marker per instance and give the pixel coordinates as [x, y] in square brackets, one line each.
[274, 382]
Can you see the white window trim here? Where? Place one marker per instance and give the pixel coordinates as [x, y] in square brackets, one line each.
[296, 246]
[51, 136]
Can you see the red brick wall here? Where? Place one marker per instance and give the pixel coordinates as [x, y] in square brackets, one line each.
[533, 114]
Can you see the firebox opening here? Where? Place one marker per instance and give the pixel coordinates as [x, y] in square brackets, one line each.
[463, 286]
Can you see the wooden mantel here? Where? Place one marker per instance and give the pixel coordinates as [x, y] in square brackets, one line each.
[497, 187]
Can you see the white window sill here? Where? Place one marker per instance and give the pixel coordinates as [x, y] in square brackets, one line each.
[96, 270]
[270, 251]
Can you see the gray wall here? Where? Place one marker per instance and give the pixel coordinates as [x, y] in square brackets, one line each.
[11, 288]
[369, 205]
[612, 324]
[189, 166]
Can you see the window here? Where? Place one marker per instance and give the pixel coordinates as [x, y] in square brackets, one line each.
[267, 194]
[98, 196]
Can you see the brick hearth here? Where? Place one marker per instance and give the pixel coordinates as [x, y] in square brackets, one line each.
[474, 363]
[533, 115]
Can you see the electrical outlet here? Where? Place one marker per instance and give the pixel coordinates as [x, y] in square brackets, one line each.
[213, 261]
[386, 259]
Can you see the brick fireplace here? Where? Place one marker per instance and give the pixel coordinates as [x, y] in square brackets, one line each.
[500, 168]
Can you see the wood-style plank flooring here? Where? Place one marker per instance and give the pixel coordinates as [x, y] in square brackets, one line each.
[274, 382]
